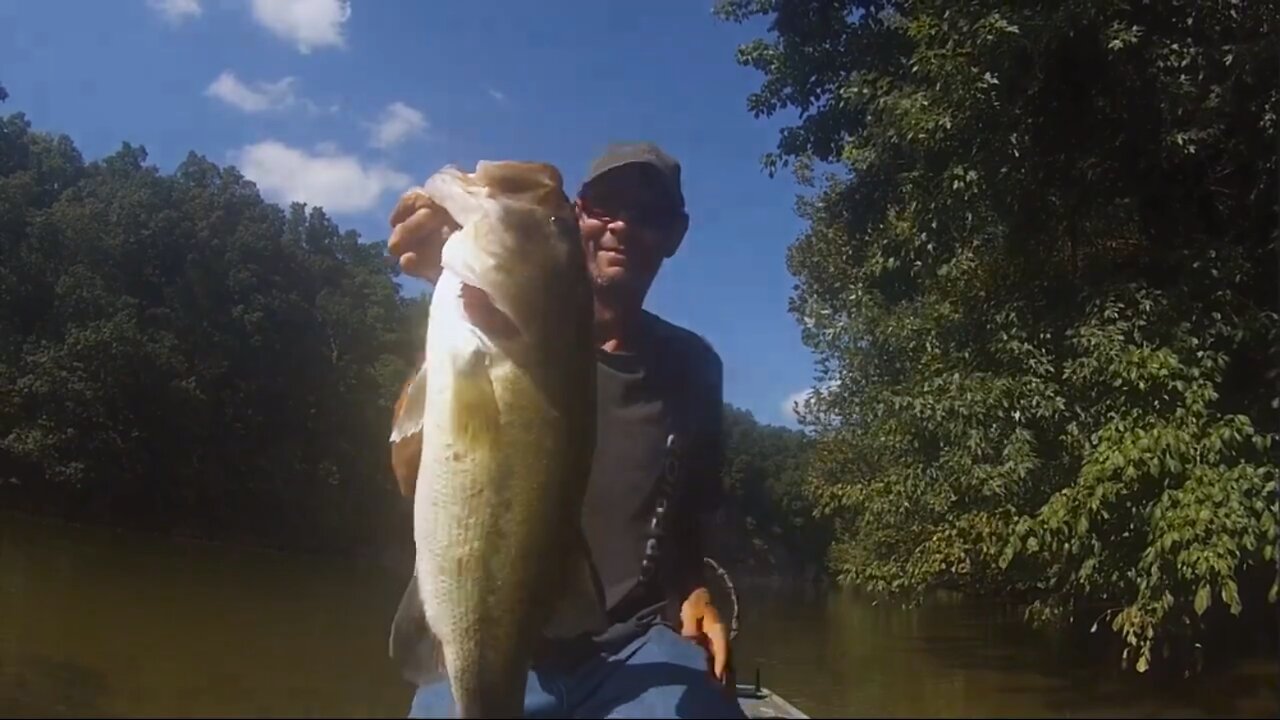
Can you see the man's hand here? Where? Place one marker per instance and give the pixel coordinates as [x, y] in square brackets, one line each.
[418, 230]
[700, 622]
[420, 225]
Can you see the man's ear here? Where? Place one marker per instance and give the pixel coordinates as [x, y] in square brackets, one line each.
[678, 230]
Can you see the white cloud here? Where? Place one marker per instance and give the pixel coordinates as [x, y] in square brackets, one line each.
[261, 97]
[309, 24]
[176, 11]
[397, 124]
[315, 109]
[794, 402]
[338, 183]
[497, 95]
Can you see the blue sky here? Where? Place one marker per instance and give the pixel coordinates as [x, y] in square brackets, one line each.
[345, 105]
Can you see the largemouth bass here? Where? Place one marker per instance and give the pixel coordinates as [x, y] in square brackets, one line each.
[504, 407]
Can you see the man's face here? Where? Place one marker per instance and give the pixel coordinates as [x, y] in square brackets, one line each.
[629, 226]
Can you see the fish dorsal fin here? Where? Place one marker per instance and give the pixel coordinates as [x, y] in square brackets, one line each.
[410, 419]
[580, 608]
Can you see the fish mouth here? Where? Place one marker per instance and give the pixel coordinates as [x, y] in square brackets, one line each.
[482, 313]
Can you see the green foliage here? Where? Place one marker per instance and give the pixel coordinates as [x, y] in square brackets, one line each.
[182, 356]
[1040, 292]
[765, 473]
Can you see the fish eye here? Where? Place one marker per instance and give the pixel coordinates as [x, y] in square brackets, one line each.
[565, 227]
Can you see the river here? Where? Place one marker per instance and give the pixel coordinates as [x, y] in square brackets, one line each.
[99, 622]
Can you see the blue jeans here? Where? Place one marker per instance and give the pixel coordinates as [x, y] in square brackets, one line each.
[659, 675]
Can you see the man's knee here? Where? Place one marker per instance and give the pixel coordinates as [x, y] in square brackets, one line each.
[669, 676]
[436, 699]
[666, 644]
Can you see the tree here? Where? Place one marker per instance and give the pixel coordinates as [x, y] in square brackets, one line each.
[1040, 283]
[180, 355]
[765, 475]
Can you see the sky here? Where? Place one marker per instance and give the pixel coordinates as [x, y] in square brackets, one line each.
[347, 104]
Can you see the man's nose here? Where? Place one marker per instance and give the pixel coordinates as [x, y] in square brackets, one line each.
[619, 229]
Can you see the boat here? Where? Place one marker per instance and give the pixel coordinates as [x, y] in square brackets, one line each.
[760, 702]
[755, 700]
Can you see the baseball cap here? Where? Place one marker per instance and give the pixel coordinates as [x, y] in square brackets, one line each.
[644, 153]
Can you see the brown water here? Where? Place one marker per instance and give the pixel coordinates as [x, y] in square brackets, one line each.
[95, 622]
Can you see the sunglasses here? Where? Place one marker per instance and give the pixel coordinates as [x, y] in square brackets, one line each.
[644, 216]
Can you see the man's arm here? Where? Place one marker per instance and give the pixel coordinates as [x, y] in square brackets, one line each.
[709, 470]
[699, 618]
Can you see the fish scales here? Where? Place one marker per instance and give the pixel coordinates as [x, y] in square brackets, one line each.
[505, 405]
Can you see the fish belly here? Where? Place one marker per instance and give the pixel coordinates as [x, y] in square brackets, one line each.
[491, 519]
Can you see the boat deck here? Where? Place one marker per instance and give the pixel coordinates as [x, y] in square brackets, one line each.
[759, 702]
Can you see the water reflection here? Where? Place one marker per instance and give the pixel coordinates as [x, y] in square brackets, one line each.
[842, 654]
[94, 622]
[189, 629]
[34, 685]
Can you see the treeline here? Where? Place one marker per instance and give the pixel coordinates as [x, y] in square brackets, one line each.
[1040, 273]
[769, 529]
[178, 355]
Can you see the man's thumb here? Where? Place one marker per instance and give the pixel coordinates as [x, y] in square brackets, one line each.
[690, 621]
[719, 638]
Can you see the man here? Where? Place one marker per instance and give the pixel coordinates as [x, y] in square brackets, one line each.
[655, 479]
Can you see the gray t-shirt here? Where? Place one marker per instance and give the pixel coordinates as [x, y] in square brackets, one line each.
[673, 386]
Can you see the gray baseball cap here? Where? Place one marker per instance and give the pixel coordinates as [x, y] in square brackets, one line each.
[645, 153]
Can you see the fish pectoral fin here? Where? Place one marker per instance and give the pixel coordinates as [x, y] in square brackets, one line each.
[476, 418]
[406, 451]
[581, 608]
[412, 645]
[413, 408]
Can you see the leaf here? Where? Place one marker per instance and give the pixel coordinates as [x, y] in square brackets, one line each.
[1231, 596]
[1202, 599]
[1036, 306]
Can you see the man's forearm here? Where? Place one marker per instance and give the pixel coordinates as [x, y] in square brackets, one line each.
[701, 542]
